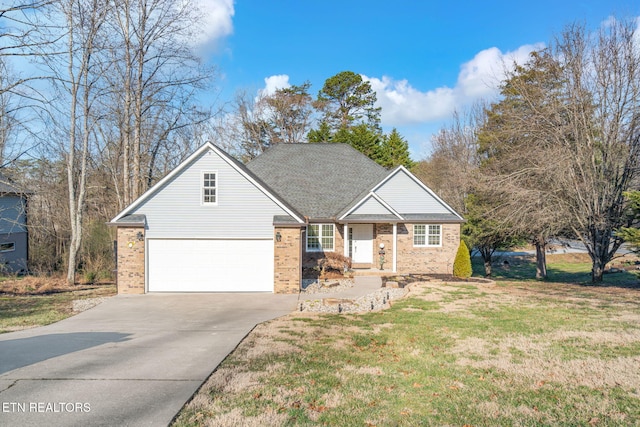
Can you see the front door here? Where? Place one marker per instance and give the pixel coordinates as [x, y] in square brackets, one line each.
[361, 245]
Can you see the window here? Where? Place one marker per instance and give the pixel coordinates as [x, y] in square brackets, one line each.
[427, 235]
[320, 237]
[209, 188]
[7, 247]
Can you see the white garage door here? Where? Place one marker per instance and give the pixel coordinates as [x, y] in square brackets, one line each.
[210, 265]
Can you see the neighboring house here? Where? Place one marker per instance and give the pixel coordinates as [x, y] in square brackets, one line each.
[14, 238]
[216, 225]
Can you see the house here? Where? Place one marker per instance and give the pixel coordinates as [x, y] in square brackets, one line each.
[14, 237]
[216, 225]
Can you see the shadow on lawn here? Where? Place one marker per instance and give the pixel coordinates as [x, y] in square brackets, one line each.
[523, 268]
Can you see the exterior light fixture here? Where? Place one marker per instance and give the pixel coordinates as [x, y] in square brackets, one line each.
[278, 236]
[140, 236]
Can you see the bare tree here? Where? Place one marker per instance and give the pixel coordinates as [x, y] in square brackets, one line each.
[255, 123]
[155, 75]
[567, 138]
[603, 87]
[289, 113]
[451, 169]
[521, 159]
[74, 62]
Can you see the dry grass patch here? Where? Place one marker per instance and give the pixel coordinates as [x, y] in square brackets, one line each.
[37, 301]
[448, 354]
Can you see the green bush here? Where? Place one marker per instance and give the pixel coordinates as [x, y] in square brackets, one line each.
[462, 263]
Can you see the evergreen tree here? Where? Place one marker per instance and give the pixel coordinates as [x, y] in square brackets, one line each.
[322, 134]
[348, 100]
[394, 151]
[462, 263]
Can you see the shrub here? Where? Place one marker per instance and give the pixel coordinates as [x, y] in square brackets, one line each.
[335, 262]
[462, 263]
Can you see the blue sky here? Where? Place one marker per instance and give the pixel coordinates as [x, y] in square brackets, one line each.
[423, 58]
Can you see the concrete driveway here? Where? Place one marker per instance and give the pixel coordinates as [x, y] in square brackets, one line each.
[132, 360]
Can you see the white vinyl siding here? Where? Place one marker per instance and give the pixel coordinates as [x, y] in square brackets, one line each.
[371, 206]
[427, 235]
[320, 238]
[209, 188]
[175, 209]
[406, 196]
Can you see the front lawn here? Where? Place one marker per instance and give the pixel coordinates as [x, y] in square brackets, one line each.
[515, 353]
[561, 268]
[37, 301]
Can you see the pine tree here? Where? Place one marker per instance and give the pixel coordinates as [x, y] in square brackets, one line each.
[394, 151]
[322, 134]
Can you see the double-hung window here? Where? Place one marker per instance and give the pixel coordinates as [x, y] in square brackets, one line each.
[320, 238]
[427, 235]
[209, 188]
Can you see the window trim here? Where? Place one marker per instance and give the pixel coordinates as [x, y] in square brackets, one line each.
[320, 232]
[426, 236]
[11, 249]
[203, 188]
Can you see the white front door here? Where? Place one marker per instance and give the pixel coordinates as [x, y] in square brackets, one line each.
[361, 243]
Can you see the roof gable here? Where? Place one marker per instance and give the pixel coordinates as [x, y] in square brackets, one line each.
[410, 197]
[371, 205]
[193, 160]
[403, 195]
[318, 180]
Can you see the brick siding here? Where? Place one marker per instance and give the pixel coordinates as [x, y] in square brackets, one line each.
[435, 260]
[130, 261]
[287, 255]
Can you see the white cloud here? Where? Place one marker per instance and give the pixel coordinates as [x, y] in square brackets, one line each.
[479, 78]
[217, 17]
[273, 83]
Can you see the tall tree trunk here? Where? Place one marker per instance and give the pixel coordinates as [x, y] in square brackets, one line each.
[73, 81]
[487, 268]
[79, 84]
[599, 252]
[486, 254]
[138, 186]
[541, 258]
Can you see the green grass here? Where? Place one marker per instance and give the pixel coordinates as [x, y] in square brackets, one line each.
[457, 354]
[20, 312]
[560, 269]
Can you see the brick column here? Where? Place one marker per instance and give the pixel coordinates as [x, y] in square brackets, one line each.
[130, 260]
[287, 259]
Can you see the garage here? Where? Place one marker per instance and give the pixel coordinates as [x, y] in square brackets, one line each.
[210, 265]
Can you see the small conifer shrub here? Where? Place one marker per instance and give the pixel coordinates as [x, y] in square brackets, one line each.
[462, 264]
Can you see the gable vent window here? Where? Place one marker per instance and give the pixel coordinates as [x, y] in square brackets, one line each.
[209, 188]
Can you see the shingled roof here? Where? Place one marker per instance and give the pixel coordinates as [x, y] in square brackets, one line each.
[318, 180]
[7, 186]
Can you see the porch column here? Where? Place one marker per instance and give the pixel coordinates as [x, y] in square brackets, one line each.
[346, 240]
[395, 245]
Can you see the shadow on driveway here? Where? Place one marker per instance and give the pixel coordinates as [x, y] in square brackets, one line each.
[23, 352]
